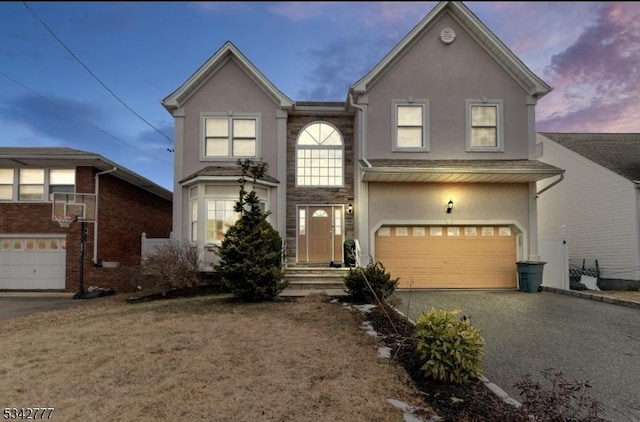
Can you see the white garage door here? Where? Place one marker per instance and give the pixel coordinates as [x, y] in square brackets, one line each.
[443, 257]
[32, 263]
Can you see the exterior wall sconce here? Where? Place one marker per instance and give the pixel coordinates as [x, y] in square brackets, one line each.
[449, 206]
[350, 208]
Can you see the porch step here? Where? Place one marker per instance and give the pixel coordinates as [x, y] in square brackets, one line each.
[306, 280]
[289, 292]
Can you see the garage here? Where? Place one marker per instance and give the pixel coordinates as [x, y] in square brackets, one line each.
[449, 257]
[32, 262]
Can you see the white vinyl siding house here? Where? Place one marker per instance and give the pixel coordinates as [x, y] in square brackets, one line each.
[599, 208]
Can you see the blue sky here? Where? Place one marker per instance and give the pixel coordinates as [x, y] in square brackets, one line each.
[139, 52]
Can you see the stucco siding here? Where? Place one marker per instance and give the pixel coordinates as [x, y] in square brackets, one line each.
[229, 90]
[446, 75]
[599, 209]
[480, 203]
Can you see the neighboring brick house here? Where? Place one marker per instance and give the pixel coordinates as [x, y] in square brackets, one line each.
[37, 254]
[430, 164]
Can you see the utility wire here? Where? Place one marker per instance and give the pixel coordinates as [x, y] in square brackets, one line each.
[20, 84]
[94, 75]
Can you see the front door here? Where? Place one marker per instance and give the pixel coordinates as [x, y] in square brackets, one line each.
[320, 234]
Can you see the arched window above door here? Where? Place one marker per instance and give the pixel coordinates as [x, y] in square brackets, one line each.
[320, 156]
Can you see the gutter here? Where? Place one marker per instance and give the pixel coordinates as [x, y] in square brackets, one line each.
[95, 222]
[551, 185]
[362, 130]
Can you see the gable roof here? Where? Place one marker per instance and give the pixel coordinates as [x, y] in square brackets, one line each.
[618, 152]
[227, 52]
[464, 17]
[55, 157]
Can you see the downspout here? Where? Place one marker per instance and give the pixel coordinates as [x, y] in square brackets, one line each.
[95, 223]
[363, 157]
[361, 189]
[551, 185]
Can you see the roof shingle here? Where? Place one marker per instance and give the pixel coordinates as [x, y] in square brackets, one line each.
[618, 152]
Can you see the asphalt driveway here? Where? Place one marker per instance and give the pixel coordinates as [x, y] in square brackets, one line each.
[526, 333]
[14, 304]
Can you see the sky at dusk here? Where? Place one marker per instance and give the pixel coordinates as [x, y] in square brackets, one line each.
[91, 75]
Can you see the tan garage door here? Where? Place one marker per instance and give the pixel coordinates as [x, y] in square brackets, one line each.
[443, 257]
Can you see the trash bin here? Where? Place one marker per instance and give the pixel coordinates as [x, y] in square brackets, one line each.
[530, 276]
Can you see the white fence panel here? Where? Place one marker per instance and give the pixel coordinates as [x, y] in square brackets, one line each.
[150, 245]
[555, 252]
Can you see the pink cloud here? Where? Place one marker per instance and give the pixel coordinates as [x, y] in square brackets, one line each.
[596, 79]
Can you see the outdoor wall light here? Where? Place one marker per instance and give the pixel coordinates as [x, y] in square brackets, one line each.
[350, 208]
[449, 206]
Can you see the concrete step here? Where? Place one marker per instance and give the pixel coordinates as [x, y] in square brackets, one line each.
[293, 292]
[305, 278]
[310, 284]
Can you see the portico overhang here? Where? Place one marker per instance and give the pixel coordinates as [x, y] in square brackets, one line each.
[457, 171]
[225, 174]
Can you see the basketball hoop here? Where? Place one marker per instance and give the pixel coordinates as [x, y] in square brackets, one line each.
[64, 220]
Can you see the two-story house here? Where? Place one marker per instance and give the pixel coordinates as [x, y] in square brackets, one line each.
[430, 163]
[36, 253]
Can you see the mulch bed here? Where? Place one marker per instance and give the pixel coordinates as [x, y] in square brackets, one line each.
[452, 402]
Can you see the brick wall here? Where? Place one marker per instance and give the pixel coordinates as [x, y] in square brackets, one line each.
[124, 212]
[296, 121]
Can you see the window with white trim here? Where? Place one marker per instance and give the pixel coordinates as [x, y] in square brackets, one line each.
[31, 185]
[194, 221]
[484, 125]
[320, 156]
[62, 180]
[221, 215]
[230, 136]
[6, 184]
[411, 125]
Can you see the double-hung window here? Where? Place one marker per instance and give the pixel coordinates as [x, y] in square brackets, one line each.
[31, 185]
[411, 125]
[484, 125]
[230, 136]
[6, 184]
[62, 180]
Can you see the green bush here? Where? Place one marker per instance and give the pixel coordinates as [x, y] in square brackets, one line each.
[250, 264]
[450, 349]
[365, 284]
[251, 252]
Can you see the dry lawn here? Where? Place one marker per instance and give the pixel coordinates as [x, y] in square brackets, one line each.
[200, 358]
